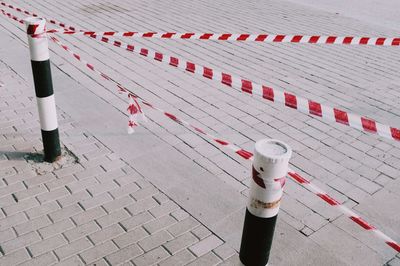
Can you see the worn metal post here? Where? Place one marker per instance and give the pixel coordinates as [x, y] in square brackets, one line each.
[269, 170]
[39, 51]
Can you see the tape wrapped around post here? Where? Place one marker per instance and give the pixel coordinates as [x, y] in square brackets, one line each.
[269, 169]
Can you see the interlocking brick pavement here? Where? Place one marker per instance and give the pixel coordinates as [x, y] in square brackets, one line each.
[165, 196]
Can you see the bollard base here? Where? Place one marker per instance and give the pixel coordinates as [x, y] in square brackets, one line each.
[256, 240]
[51, 144]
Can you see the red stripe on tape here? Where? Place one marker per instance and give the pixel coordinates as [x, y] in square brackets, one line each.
[109, 33]
[245, 154]
[315, 108]
[168, 35]
[148, 34]
[341, 116]
[190, 67]
[32, 29]
[173, 61]
[200, 130]
[362, 223]
[187, 35]
[364, 40]
[247, 86]
[243, 37]
[222, 142]
[207, 72]
[261, 37]
[395, 246]
[347, 40]
[328, 199]
[297, 38]
[144, 52]
[380, 41]
[226, 79]
[331, 39]
[268, 93]
[128, 34]
[396, 42]
[368, 124]
[299, 178]
[395, 133]
[206, 36]
[158, 56]
[279, 38]
[130, 48]
[224, 36]
[90, 66]
[171, 116]
[314, 39]
[290, 100]
[117, 43]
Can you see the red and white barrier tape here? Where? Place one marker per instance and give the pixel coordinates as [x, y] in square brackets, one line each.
[11, 16]
[26, 12]
[290, 100]
[247, 155]
[244, 37]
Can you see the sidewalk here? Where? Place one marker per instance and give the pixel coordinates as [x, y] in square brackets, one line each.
[166, 196]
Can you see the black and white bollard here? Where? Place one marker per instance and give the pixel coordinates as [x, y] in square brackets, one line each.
[39, 51]
[269, 170]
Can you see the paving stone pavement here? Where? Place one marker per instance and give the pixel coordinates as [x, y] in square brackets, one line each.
[166, 196]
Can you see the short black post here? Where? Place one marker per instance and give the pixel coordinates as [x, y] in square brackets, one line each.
[39, 51]
[269, 170]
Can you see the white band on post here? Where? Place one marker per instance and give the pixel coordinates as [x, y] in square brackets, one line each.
[47, 113]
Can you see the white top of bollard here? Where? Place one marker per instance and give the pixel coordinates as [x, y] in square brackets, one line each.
[273, 150]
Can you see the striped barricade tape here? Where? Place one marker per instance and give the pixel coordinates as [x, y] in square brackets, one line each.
[266, 38]
[244, 37]
[288, 99]
[247, 155]
[29, 13]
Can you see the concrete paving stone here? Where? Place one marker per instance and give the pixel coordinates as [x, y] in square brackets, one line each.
[97, 252]
[183, 226]
[15, 258]
[159, 224]
[113, 218]
[74, 198]
[183, 241]
[180, 215]
[95, 201]
[72, 248]
[11, 221]
[81, 231]
[45, 259]
[224, 251]
[206, 245]
[32, 225]
[207, 259]
[82, 184]
[124, 255]
[88, 215]
[40, 179]
[60, 182]
[163, 209]
[366, 185]
[125, 190]
[131, 237]
[20, 206]
[31, 192]
[394, 262]
[65, 213]
[42, 210]
[154, 240]
[141, 206]
[152, 257]
[46, 245]
[181, 258]
[53, 195]
[389, 171]
[7, 234]
[90, 172]
[56, 228]
[102, 188]
[350, 248]
[106, 234]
